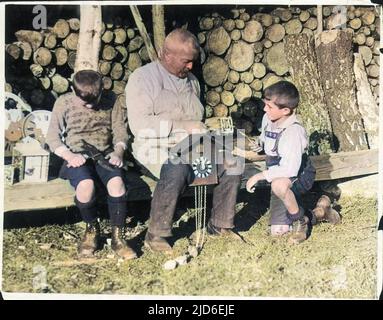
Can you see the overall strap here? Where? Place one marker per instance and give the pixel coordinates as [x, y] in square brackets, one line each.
[275, 148]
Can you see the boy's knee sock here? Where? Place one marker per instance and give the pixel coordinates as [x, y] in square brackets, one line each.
[297, 216]
[117, 207]
[88, 210]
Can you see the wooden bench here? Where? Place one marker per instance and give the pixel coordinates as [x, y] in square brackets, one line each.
[58, 193]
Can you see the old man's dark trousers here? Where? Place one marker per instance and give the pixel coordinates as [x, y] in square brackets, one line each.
[174, 178]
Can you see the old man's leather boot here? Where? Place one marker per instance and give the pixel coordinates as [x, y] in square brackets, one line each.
[90, 241]
[158, 244]
[300, 230]
[120, 246]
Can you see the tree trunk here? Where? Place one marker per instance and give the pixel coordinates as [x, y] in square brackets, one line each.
[300, 55]
[89, 41]
[366, 102]
[334, 54]
[158, 16]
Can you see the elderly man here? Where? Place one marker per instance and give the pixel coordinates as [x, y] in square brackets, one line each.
[163, 106]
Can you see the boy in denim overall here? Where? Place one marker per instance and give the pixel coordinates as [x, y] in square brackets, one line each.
[288, 170]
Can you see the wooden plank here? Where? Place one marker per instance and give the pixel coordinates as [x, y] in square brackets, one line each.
[345, 164]
[58, 193]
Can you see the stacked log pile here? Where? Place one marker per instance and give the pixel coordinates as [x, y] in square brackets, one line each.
[244, 51]
[40, 64]
[247, 51]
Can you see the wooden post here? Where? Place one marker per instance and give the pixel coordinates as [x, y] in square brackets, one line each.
[158, 26]
[320, 19]
[144, 34]
[89, 42]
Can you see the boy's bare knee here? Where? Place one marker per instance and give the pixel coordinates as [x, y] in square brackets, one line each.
[280, 187]
[116, 187]
[85, 190]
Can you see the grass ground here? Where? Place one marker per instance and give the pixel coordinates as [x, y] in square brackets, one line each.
[335, 262]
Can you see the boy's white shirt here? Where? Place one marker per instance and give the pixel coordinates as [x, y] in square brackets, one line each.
[292, 144]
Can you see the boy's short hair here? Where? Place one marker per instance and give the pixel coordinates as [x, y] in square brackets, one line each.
[286, 93]
[87, 84]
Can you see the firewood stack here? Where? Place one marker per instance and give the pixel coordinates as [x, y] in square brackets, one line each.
[244, 53]
[40, 64]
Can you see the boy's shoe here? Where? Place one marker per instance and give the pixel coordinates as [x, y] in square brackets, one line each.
[119, 244]
[89, 243]
[300, 231]
[324, 212]
[277, 230]
[215, 231]
[157, 244]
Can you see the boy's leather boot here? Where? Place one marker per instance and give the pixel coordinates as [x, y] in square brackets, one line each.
[119, 244]
[90, 241]
[300, 230]
[324, 212]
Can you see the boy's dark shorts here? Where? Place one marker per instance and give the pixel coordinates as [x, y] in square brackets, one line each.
[89, 170]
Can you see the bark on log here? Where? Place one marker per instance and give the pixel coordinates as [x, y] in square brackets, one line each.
[366, 102]
[300, 54]
[368, 17]
[276, 59]
[46, 83]
[270, 79]
[158, 17]
[256, 85]
[26, 49]
[304, 16]
[239, 24]
[240, 56]
[33, 37]
[228, 86]
[335, 63]
[275, 33]
[252, 32]
[215, 71]
[311, 23]
[360, 39]
[42, 56]
[61, 28]
[218, 41]
[89, 41]
[258, 47]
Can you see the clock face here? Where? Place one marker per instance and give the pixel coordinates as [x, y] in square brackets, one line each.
[36, 125]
